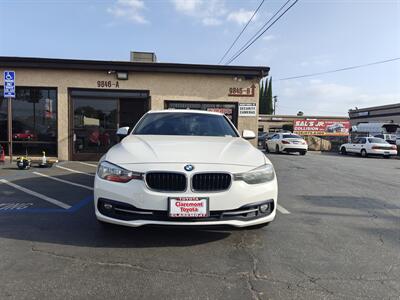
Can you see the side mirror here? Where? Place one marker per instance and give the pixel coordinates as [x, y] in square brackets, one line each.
[123, 131]
[248, 134]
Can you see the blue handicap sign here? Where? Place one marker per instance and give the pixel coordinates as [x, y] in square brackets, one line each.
[9, 84]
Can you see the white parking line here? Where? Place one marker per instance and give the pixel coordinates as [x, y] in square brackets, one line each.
[282, 210]
[74, 171]
[87, 164]
[64, 181]
[33, 193]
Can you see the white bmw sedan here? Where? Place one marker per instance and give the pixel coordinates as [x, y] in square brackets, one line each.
[185, 167]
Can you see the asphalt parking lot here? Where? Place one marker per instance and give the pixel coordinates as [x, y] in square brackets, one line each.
[336, 236]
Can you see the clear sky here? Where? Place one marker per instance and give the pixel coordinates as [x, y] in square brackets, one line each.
[313, 36]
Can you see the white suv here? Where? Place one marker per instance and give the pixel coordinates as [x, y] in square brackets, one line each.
[286, 142]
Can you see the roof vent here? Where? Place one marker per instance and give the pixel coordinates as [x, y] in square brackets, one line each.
[143, 57]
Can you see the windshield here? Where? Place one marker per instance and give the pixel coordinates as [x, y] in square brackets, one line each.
[291, 136]
[194, 124]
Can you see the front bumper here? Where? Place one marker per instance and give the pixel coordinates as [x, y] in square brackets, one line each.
[123, 214]
[136, 196]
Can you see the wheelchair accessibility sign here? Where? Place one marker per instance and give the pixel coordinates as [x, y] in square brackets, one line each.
[9, 84]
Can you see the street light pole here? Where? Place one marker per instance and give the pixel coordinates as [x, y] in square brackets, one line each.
[275, 100]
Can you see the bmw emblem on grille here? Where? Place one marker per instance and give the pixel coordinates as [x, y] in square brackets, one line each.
[189, 168]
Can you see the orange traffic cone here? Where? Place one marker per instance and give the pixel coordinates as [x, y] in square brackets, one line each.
[2, 156]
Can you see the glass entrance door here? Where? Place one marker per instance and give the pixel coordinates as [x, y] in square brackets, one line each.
[95, 116]
[94, 126]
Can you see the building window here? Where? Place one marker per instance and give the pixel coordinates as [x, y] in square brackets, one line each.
[34, 121]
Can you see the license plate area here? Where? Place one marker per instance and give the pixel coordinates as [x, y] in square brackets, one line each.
[188, 207]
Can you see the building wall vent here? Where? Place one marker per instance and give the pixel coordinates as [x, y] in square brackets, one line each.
[143, 57]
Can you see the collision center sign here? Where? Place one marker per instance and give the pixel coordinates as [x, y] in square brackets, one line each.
[321, 127]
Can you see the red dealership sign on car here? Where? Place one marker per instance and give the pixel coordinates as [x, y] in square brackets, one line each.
[321, 127]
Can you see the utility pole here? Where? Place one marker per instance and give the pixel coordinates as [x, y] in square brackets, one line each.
[275, 100]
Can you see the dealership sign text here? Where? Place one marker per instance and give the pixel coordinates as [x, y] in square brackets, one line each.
[321, 127]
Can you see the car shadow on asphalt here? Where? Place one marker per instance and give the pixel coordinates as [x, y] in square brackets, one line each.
[283, 153]
[79, 227]
[83, 230]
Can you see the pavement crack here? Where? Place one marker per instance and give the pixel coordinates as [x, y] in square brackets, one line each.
[381, 239]
[252, 274]
[137, 268]
[253, 291]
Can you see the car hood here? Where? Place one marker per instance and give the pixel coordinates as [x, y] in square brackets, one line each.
[185, 149]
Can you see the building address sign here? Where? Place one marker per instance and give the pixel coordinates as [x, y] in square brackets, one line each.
[107, 84]
[242, 92]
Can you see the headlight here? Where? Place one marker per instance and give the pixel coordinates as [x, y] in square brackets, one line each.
[111, 172]
[259, 175]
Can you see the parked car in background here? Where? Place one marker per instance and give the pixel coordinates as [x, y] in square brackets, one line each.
[390, 138]
[365, 146]
[286, 142]
[261, 138]
[265, 137]
[26, 135]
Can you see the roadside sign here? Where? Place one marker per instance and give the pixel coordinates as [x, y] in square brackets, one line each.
[247, 109]
[321, 127]
[9, 84]
[9, 92]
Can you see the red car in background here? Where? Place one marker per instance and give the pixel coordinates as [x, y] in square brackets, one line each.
[27, 135]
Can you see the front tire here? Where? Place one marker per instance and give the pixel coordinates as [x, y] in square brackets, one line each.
[364, 153]
[343, 151]
[266, 148]
[303, 152]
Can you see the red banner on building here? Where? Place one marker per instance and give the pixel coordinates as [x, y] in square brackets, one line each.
[321, 127]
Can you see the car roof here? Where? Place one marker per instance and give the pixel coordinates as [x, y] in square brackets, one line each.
[188, 111]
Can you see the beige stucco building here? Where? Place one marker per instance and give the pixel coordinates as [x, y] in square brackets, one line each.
[72, 108]
[376, 114]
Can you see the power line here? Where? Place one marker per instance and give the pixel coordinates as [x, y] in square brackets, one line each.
[239, 35]
[256, 38]
[262, 27]
[342, 69]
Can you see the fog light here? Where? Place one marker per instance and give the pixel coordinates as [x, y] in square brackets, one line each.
[264, 208]
[107, 206]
